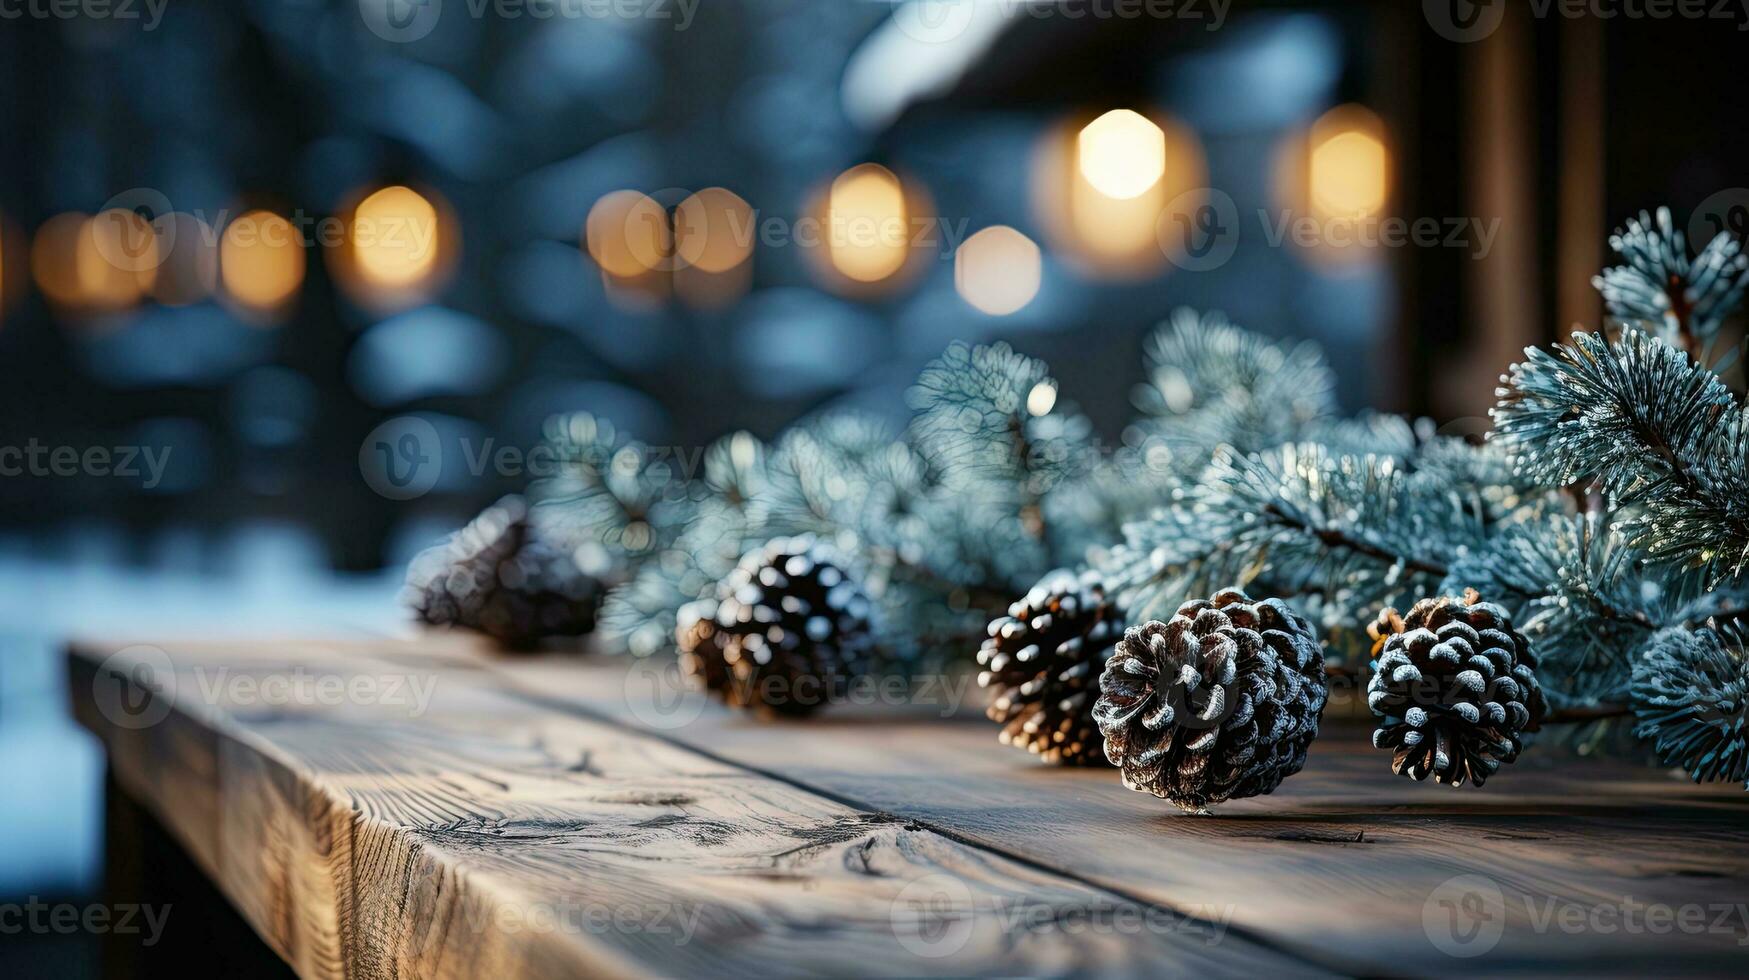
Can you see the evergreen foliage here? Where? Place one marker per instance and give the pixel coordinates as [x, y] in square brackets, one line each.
[1604, 514]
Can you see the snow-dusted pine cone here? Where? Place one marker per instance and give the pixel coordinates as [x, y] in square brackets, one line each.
[1454, 687]
[1220, 703]
[1042, 663]
[789, 629]
[496, 576]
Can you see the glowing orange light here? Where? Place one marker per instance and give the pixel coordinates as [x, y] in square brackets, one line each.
[867, 223]
[395, 238]
[1348, 167]
[713, 230]
[94, 265]
[627, 234]
[261, 260]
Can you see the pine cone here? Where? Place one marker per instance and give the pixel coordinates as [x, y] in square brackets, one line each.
[497, 577]
[1217, 704]
[1043, 661]
[788, 632]
[1455, 688]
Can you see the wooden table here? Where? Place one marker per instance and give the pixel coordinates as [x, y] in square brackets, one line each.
[391, 808]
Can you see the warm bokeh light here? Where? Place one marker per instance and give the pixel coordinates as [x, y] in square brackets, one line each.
[997, 270]
[1079, 164]
[75, 260]
[1121, 154]
[1348, 172]
[713, 230]
[1335, 178]
[627, 234]
[261, 260]
[867, 223]
[395, 238]
[188, 260]
[52, 257]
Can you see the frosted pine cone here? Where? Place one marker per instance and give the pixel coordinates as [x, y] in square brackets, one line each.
[788, 630]
[1454, 687]
[497, 577]
[1220, 703]
[1042, 662]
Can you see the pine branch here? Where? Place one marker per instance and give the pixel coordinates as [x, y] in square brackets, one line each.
[1649, 428]
[1660, 290]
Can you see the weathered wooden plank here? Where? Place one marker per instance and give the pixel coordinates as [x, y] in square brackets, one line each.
[469, 830]
[1552, 867]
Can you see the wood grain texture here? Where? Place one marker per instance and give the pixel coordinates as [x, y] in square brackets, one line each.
[484, 831]
[1550, 868]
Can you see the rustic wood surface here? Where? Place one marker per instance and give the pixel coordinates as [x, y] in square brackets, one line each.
[481, 831]
[365, 838]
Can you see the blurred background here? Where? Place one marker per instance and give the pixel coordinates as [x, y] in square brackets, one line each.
[238, 236]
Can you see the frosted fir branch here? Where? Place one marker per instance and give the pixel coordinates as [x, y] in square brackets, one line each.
[1357, 531]
[975, 417]
[1691, 695]
[612, 500]
[1648, 427]
[1661, 290]
[1587, 599]
[1211, 383]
